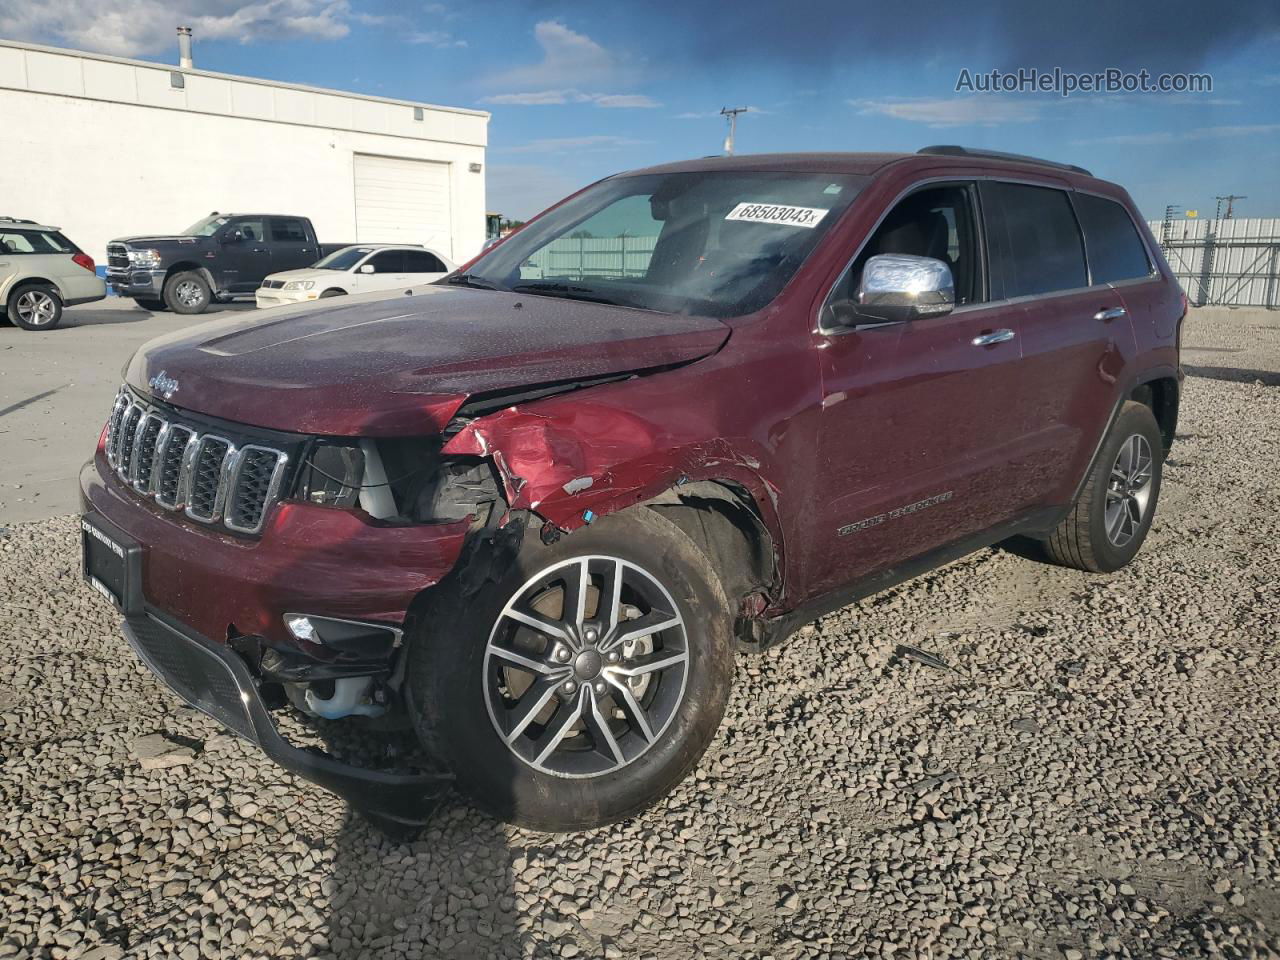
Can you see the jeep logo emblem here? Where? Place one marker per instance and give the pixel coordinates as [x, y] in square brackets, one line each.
[163, 385]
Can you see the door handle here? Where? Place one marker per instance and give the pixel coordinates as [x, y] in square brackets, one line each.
[995, 336]
[1111, 313]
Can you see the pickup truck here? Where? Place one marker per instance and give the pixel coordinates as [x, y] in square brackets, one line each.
[222, 257]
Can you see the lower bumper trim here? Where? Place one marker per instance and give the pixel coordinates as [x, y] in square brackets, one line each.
[215, 681]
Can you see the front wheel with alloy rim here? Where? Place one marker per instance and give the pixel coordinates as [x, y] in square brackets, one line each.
[583, 683]
[187, 293]
[35, 308]
[1110, 519]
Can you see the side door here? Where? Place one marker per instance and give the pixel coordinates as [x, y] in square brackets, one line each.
[244, 255]
[1077, 337]
[292, 246]
[423, 266]
[384, 270]
[916, 436]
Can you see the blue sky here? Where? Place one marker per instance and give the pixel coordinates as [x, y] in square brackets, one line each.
[578, 91]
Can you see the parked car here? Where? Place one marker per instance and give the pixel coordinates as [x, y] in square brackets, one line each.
[41, 271]
[362, 268]
[222, 257]
[533, 509]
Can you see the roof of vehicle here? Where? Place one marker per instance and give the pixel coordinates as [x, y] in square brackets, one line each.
[16, 222]
[382, 246]
[866, 164]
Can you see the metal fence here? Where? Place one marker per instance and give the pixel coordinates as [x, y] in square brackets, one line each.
[1233, 263]
[591, 257]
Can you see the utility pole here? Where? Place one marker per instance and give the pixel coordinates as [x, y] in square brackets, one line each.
[732, 114]
[1231, 198]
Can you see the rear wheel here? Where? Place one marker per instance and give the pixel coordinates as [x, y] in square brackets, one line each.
[582, 684]
[35, 307]
[1111, 518]
[187, 293]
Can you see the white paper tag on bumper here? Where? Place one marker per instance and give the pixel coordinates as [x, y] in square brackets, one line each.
[807, 217]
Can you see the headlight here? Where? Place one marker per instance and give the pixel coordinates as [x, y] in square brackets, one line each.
[144, 258]
[299, 284]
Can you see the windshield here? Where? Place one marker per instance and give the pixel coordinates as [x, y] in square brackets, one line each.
[206, 227]
[343, 259]
[718, 244]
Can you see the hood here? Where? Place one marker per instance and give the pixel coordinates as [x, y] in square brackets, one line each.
[305, 273]
[403, 365]
[145, 241]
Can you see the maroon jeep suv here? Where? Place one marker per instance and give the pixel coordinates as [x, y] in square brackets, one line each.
[533, 510]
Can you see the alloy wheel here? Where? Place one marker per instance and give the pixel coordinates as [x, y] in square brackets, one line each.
[586, 666]
[1128, 491]
[37, 308]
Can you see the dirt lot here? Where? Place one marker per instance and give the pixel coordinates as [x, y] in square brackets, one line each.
[1095, 774]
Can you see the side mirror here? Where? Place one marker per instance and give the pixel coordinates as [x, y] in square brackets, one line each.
[895, 288]
[366, 268]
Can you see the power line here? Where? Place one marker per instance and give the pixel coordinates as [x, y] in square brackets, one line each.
[1230, 198]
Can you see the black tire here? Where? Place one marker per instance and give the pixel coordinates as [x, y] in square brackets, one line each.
[1083, 540]
[35, 306]
[333, 292]
[449, 681]
[155, 306]
[187, 293]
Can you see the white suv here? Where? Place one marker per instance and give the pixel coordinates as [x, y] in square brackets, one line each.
[361, 268]
[41, 271]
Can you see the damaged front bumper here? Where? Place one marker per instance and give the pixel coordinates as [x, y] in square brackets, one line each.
[216, 681]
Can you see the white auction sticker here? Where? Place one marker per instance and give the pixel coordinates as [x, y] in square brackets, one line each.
[807, 217]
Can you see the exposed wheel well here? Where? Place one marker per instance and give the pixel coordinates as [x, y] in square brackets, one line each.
[31, 282]
[1162, 397]
[336, 291]
[722, 519]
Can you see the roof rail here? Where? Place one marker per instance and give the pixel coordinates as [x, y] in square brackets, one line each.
[14, 220]
[950, 150]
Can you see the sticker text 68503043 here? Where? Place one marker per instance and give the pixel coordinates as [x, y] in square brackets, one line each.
[807, 217]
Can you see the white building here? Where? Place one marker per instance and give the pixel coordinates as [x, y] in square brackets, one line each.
[105, 147]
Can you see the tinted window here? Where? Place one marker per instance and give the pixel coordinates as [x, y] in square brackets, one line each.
[34, 241]
[1115, 249]
[419, 261]
[388, 261]
[343, 259]
[252, 230]
[936, 222]
[288, 231]
[1035, 243]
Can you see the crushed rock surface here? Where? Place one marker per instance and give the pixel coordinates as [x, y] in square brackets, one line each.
[1094, 772]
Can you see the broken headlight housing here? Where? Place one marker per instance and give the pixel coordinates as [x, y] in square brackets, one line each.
[332, 475]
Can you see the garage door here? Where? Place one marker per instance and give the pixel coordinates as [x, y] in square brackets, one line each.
[403, 201]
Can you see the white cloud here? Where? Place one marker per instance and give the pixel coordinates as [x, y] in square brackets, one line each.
[564, 144]
[132, 28]
[539, 98]
[570, 60]
[1192, 133]
[954, 111]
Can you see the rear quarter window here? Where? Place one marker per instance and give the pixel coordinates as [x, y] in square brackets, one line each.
[1116, 251]
[1036, 246]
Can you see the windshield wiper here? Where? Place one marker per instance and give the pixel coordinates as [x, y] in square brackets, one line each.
[472, 280]
[550, 288]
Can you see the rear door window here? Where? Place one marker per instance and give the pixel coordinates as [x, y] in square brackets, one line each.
[388, 261]
[34, 241]
[288, 230]
[1035, 244]
[1116, 252]
[420, 261]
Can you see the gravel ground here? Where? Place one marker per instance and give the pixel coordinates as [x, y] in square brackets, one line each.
[1094, 774]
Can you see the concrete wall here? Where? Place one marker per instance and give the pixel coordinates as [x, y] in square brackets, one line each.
[105, 147]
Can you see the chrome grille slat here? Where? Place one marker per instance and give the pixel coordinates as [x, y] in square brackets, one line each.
[203, 474]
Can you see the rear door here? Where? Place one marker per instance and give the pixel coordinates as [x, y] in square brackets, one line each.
[291, 244]
[1077, 338]
[916, 436]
